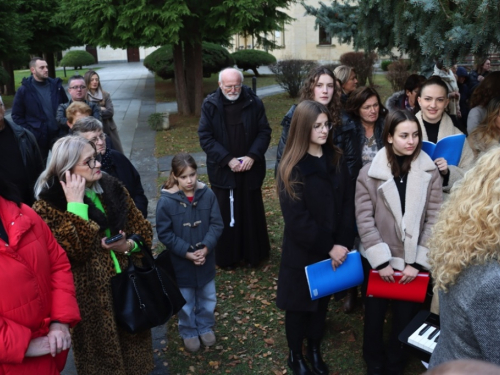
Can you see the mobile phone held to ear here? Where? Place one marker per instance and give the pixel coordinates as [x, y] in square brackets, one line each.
[113, 239]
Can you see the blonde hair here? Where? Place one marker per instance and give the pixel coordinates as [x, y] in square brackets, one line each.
[77, 107]
[65, 155]
[467, 231]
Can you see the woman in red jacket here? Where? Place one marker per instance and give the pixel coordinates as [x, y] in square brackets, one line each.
[38, 302]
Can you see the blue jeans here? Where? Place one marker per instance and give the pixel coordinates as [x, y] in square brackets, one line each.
[197, 315]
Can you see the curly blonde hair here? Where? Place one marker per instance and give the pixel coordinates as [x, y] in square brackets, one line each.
[468, 228]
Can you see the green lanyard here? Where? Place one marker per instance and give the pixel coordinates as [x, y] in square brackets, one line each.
[95, 199]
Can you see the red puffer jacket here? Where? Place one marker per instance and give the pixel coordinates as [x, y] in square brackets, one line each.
[36, 287]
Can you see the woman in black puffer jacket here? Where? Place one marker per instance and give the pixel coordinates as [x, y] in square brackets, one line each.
[360, 135]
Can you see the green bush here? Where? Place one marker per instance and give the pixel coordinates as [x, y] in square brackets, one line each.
[385, 65]
[161, 62]
[251, 59]
[215, 58]
[77, 59]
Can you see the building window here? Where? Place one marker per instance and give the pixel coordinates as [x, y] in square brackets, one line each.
[324, 37]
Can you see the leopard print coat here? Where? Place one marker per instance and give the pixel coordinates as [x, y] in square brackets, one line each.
[100, 346]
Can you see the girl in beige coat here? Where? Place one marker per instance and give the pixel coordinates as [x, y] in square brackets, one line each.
[436, 125]
[398, 196]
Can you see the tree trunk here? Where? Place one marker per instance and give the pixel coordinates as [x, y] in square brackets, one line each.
[10, 88]
[51, 63]
[198, 74]
[189, 72]
[180, 80]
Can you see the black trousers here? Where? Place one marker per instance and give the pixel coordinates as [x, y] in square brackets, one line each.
[304, 324]
[394, 356]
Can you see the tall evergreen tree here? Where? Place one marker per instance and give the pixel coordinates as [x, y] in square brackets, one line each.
[13, 37]
[182, 23]
[48, 32]
[423, 29]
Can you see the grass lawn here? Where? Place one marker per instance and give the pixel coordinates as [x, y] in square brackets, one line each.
[250, 328]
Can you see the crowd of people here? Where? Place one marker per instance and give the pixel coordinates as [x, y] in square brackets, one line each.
[351, 174]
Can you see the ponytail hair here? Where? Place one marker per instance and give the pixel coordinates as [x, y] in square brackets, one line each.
[180, 162]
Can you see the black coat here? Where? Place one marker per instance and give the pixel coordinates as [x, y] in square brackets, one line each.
[285, 123]
[321, 216]
[214, 139]
[123, 170]
[31, 158]
[351, 137]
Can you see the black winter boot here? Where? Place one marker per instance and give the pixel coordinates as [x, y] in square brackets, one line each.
[319, 367]
[297, 364]
[351, 300]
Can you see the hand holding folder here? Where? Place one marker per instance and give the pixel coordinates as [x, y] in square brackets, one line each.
[414, 291]
[323, 280]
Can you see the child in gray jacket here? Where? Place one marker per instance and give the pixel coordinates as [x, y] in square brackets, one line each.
[189, 223]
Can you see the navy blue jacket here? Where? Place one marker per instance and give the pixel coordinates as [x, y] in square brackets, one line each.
[27, 109]
[214, 139]
[181, 224]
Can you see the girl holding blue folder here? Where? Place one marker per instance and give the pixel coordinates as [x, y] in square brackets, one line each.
[316, 195]
[398, 196]
[436, 124]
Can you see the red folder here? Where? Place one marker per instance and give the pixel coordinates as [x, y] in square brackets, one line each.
[414, 291]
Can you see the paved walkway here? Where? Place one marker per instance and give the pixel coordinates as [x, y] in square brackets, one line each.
[131, 87]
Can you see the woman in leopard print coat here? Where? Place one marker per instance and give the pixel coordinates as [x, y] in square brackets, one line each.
[82, 206]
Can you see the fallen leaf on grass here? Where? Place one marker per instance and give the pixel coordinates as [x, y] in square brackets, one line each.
[269, 341]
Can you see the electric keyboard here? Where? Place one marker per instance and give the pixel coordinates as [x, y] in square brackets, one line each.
[422, 334]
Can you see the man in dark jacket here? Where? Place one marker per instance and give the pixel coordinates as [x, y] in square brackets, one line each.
[20, 158]
[235, 134]
[36, 102]
[77, 89]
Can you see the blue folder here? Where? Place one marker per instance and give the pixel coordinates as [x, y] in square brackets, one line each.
[323, 280]
[449, 147]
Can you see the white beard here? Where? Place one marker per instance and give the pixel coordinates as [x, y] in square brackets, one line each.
[231, 97]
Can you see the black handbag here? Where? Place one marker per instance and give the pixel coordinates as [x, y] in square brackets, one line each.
[146, 297]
